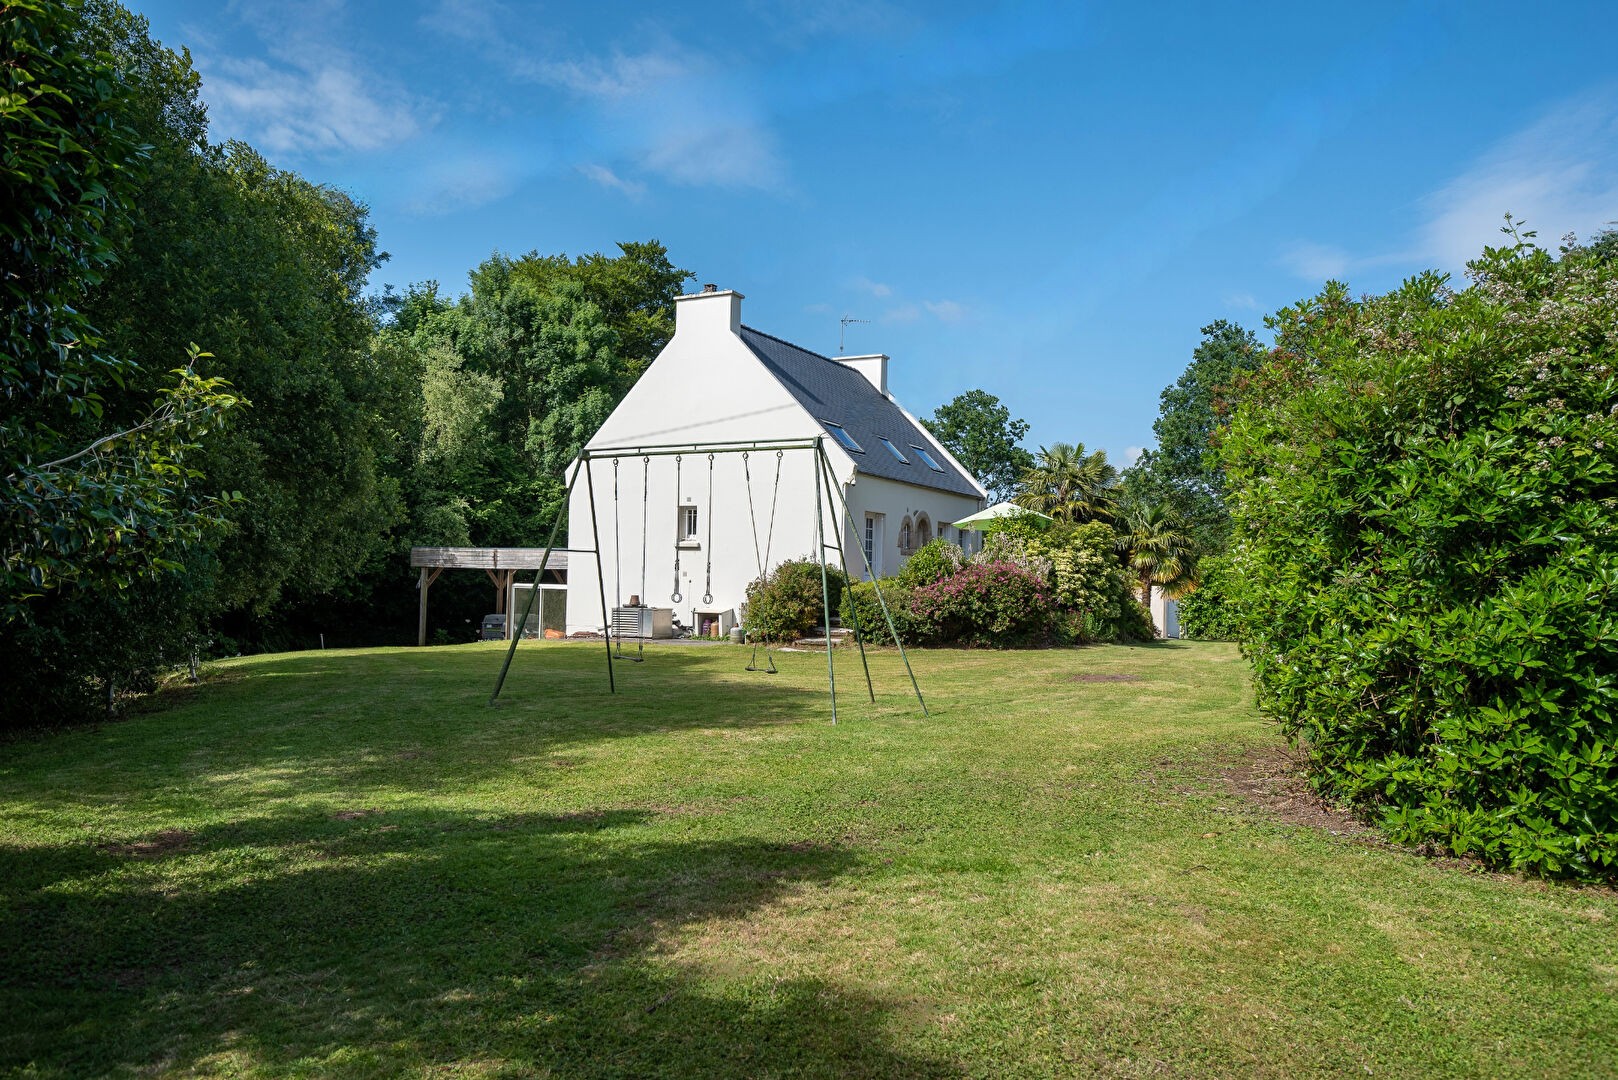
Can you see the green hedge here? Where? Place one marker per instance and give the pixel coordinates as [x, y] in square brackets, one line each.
[1208, 612]
[1425, 487]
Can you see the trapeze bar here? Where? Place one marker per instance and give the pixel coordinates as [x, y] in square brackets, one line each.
[692, 449]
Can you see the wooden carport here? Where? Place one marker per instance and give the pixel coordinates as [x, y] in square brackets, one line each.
[501, 564]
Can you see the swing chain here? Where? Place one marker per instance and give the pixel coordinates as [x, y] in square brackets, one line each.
[707, 585]
[679, 505]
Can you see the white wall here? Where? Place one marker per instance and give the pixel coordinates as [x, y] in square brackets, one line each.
[895, 501]
[1165, 614]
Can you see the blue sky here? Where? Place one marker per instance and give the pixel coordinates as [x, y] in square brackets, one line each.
[1046, 201]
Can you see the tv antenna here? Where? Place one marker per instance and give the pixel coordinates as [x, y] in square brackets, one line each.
[845, 320]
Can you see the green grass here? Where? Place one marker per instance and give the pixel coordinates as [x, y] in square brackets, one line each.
[344, 863]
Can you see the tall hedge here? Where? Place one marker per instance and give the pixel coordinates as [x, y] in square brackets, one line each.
[1426, 495]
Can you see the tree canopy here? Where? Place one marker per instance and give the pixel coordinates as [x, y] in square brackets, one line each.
[985, 438]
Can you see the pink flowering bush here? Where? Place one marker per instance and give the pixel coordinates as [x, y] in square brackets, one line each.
[986, 604]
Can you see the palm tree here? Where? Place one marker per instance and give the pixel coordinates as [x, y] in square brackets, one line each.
[1158, 549]
[1069, 484]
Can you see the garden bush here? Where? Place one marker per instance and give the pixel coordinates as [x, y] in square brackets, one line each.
[1208, 612]
[933, 561]
[986, 604]
[1426, 498]
[859, 598]
[786, 604]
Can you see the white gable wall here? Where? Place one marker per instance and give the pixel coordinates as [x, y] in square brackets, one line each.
[705, 386]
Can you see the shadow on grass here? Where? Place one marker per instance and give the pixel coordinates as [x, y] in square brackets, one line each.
[408, 941]
[346, 723]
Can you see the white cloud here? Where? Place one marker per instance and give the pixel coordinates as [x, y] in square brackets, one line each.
[1316, 262]
[732, 155]
[1132, 454]
[609, 179]
[1241, 300]
[945, 310]
[462, 185]
[308, 95]
[875, 288]
[904, 313]
[310, 108]
[1558, 175]
[620, 77]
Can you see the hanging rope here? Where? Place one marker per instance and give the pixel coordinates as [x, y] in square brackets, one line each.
[707, 585]
[645, 496]
[618, 576]
[679, 528]
[762, 560]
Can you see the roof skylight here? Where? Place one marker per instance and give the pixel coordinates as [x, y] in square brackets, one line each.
[927, 458]
[844, 437]
[894, 450]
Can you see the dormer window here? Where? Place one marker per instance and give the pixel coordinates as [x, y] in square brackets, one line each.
[927, 459]
[844, 438]
[894, 450]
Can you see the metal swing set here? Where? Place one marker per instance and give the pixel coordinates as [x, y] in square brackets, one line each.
[780, 447]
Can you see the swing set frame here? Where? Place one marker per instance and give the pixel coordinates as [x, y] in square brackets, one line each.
[823, 477]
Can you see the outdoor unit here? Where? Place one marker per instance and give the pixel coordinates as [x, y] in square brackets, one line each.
[642, 622]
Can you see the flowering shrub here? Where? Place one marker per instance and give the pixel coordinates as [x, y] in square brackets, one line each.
[786, 604]
[1426, 563]
[993, 604]
[1086, 579]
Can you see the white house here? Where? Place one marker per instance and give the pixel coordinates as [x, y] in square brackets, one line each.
[718, 381]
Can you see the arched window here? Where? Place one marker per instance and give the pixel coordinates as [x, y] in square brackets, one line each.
[904, 536]
[924, 530]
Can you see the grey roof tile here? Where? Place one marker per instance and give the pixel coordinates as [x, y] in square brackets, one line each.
[840, 395]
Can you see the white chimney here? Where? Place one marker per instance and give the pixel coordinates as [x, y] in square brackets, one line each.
[711, 311]
[874, 367]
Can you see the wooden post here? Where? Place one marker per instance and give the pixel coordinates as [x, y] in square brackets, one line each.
[423, 583]
[499, 593]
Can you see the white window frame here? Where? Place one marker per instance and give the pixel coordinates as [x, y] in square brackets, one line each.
[872, 540]
[686, 523]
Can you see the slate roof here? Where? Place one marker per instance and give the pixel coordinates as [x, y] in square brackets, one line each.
[841, 395]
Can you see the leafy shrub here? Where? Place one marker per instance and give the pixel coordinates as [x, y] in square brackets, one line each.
[859, 598]
[786, 603]
[1208, 612]
[933, 561]
[1132, 624]
[1426, 562]
[1081, 564]
[993, 604]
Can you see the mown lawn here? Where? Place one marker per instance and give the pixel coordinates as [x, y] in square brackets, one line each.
[344, 863]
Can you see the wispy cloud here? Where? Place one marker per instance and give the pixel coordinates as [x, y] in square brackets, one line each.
[945, 311]
[875, 288]
[1558, 175]
[1316, 262]
[1132, 454]
[307, 95]
[609, 179]
[718, 154]
[462, 185]
[1241, 300]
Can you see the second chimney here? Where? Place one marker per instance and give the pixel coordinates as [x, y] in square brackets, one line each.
[874, 367]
